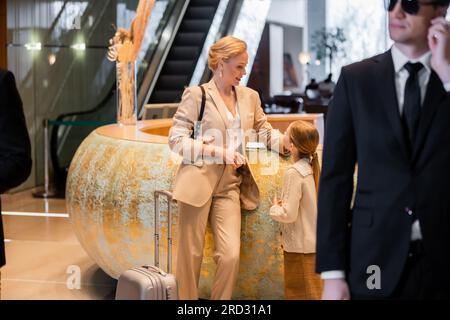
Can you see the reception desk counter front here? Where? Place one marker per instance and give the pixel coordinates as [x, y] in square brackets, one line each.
[110, 202]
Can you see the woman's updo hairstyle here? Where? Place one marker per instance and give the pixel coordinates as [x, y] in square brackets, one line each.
[224, 49]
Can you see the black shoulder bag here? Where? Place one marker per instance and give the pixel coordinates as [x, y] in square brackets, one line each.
[198, 123]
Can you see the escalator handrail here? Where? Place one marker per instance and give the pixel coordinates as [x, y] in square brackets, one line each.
[166, 39]
[92, 110]
[54, 133]
[89, 34]
[55, 22]
[160, 54]
[58, 171]
[103, 6]
[150, 53]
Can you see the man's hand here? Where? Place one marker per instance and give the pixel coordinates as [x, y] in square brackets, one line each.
[439, 43]
[335, 289]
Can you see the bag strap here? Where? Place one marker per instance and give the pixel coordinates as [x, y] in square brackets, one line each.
[200, 115]
[202, 108]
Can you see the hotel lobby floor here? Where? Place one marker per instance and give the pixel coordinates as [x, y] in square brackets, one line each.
[43, 255]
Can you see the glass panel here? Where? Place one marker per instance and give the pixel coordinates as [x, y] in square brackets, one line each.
[250, 26]
[70, 72]
[365, 27]
[158, 20]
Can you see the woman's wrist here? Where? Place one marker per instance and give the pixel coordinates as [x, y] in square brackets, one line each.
[209, 150]
[214, 151]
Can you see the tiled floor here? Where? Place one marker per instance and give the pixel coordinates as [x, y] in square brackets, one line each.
[43, 255]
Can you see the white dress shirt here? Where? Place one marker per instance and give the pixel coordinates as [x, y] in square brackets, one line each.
[401, 76]
[234, 132]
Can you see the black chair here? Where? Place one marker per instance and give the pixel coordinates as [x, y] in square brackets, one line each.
[284, 104]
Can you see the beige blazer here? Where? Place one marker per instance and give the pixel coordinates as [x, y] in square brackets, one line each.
[196, 179]
[298, 213]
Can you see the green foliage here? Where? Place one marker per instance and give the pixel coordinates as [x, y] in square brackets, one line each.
[328, 43]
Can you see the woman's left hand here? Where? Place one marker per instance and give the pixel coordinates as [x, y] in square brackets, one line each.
[239, 160]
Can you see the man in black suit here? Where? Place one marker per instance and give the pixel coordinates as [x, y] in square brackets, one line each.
[15, 149]
[391, 116]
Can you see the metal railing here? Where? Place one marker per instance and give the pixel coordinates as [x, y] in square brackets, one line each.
[160, 55]
[50, 191]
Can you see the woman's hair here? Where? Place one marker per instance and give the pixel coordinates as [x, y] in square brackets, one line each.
[305, 138]
[224, 49]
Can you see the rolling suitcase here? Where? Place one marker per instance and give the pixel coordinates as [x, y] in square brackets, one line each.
[150, 282]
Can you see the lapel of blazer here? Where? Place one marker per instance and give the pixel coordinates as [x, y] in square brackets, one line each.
[218, 101]
[434, 94]
[243, 107]
[388, 95]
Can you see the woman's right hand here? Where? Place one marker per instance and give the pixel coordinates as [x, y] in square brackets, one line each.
[225, 155]
[231, 157]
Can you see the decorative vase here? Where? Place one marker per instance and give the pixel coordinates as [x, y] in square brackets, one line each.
[126, 93]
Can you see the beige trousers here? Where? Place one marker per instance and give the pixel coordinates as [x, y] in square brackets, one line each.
[224, 214]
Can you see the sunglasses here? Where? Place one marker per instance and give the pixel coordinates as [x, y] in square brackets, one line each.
[409, 6]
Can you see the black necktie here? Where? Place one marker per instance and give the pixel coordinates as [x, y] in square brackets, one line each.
[412, 101]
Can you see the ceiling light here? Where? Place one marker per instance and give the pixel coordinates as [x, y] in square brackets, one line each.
[79, 46]
[37, 46]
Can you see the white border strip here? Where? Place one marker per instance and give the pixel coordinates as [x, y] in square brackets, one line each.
[35, 214]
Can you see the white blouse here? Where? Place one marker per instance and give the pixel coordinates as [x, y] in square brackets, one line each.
[234, 132]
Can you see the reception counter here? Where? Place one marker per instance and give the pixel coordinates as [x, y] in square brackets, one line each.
[110, 203]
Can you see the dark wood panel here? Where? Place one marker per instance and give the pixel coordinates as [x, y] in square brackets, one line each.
[259, 79]
[3, 56]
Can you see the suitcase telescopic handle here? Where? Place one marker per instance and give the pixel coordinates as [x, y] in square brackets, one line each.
[168, 195]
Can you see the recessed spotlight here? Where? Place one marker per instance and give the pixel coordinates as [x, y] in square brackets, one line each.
[79, 46]
[51, 59]
[34, 46]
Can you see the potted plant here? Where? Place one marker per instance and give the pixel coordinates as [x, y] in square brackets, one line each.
[329, 43]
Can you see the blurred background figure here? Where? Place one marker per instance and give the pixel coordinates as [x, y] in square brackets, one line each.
[326, 87]
[312, 90]
[15, 149]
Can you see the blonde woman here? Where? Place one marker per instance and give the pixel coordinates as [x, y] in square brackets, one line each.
[297, 212]
[217, 189]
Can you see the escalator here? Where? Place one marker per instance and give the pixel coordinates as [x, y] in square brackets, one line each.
[182, 57]
[168, 63]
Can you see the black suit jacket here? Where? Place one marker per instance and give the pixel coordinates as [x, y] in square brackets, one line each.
[364, 128]
[15, 150]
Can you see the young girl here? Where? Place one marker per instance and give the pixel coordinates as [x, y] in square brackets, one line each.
[297, 212]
